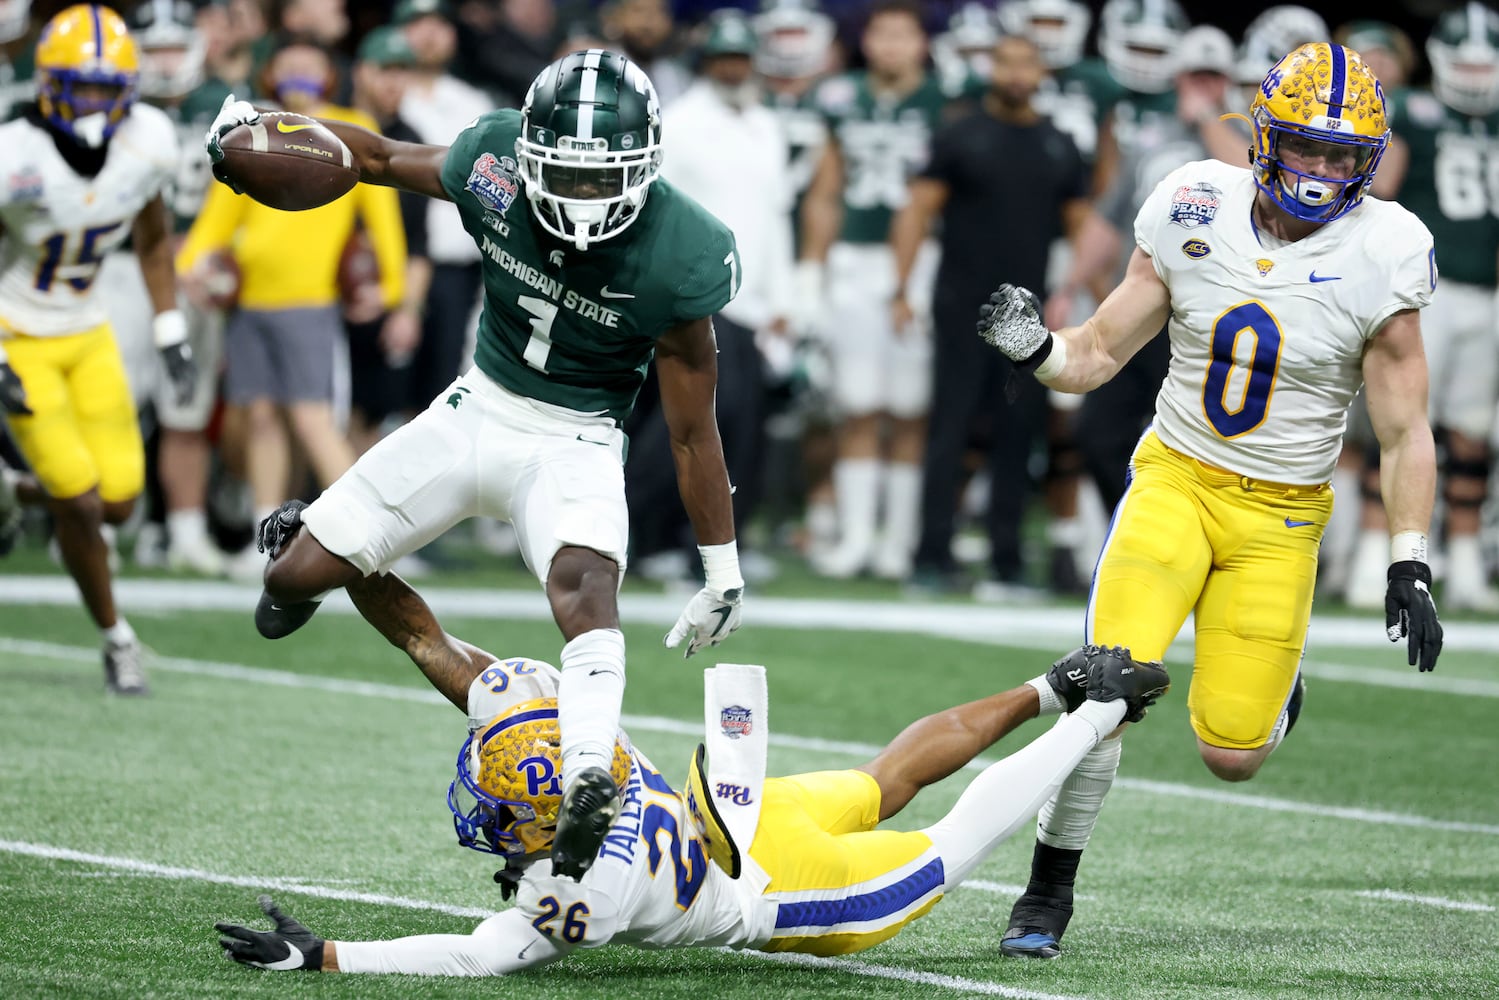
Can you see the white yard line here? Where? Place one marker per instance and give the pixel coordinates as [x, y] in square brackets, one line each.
[1049, 629]
[300, 887]
[679, 727]
[856, 968]
[1441, 902]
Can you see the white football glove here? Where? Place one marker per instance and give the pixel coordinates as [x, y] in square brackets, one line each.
[1011, 321]
[232, 115]
[809, 306]
[709, 619]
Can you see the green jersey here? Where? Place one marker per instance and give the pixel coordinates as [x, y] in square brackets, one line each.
[17, 86]
[577, 329]
[1077, 98]
[184, 195]
[806, 135]
[884, 141]
[1452, 182]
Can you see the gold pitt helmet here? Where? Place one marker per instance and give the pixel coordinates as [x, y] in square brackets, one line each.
[1320, 102]
[508, 791]
[87, 68]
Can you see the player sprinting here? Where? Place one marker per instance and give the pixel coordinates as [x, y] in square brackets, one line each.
[818, 877]
[591, 266]
[86, 165]
[1285, 289]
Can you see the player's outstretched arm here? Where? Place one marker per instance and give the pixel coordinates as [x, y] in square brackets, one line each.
[1396, 386]
[151, 236]
[1079, 358]
[687, 367]
[399, 613]
[410, 166]
[507, 942]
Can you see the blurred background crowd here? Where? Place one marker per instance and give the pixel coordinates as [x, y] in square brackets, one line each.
[883, 164]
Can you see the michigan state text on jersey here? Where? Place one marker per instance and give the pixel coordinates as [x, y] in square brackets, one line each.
[591, 266]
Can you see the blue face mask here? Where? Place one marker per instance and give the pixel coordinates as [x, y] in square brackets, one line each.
[303, 85]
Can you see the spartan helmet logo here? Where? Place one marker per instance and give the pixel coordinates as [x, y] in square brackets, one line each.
[555, 258]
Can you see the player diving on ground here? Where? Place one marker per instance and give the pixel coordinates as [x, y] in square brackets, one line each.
[814, 874]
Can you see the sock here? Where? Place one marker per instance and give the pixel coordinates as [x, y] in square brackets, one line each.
[1064, 532]
[1465, 568]
[1007, 794]
[589, 699]
[857, 482]
[822, 524]
[9, 478]
[1068, 819]
[118, 634]
[1051, 702]
[186, 527]
[902, 490]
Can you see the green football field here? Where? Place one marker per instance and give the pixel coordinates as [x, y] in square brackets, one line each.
[1363, 862]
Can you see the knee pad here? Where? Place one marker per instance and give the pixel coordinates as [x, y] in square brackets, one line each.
[1233, 723]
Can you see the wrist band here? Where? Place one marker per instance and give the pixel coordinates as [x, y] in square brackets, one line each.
[1408, 545]
[721, 567]
[169, 328]
[1052, 365]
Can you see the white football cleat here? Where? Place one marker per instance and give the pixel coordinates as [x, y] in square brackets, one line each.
[196, 556]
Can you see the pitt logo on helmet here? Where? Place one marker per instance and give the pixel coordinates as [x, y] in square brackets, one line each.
[1319, 131]
[87, 68]
[508, 791]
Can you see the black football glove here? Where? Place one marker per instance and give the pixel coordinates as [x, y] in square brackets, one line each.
[289, 946]
[182, 370]
[1410, 613]
[280, 528]
[12, 392]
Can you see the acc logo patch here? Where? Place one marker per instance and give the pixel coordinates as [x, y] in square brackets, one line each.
[736, 721]
[1196, 249]
[1194, 205]
[1264, 266]
[495, 182]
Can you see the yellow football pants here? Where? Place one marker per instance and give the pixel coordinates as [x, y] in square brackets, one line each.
[83, 431]
[1239, 553]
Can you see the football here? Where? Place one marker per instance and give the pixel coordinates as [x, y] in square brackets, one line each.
[288, 161]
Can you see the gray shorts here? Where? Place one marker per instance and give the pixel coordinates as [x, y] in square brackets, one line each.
[284, 355]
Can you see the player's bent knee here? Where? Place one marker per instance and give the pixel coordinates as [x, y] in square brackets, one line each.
[117, 512]
[84, 508]
[1231, 765]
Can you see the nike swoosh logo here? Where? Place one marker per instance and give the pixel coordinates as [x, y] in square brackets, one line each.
[293, 960]
[601, 444]
[1297, 524]
[614, 295]
[521, 957]
[1317, 279]
[723, 617]
[286, 129]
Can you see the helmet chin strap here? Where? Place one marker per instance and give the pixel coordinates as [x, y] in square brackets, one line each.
[89, 130]
[583, 219]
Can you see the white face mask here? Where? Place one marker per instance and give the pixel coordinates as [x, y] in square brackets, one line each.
[739, 96]
[89, 130]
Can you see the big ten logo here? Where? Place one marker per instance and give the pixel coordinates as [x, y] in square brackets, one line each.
[542, 776]
[737, 794]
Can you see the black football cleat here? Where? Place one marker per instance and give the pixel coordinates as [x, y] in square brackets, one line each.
[1112, 675]
[1068, 677]
[1293, 706]
[277, 621]
[589, 807]
[1037, 923]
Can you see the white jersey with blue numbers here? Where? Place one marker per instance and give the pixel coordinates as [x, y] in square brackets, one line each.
[58, 225]
[1268, 337]
[652, 885]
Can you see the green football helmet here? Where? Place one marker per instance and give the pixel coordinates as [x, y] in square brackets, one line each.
[590, 145]
[1464, 53]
